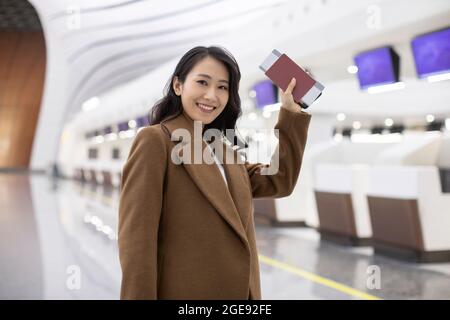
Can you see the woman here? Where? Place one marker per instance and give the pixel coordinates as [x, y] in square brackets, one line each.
[186, 230]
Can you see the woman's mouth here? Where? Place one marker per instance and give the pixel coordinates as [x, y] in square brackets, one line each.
[205, 108]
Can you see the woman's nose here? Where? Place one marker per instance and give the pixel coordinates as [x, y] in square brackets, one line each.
[211, 94]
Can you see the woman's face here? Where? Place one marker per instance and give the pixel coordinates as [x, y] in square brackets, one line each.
[204, 94]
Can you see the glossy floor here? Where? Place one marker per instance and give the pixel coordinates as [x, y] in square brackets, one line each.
[58, 241]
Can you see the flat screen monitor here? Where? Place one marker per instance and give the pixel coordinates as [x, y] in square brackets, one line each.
[377, 67]
[432, 53]
[107, 130]
[266, 93]
[123, 126]
[142, 121]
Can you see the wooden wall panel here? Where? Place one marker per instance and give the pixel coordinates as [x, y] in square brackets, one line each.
[22, 74]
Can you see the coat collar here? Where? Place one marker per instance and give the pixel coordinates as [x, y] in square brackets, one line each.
[233, 202]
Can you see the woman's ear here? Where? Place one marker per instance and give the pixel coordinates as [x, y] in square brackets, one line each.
[176, 86]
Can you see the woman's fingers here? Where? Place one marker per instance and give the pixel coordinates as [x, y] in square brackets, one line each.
[287, 99]
[290, 86]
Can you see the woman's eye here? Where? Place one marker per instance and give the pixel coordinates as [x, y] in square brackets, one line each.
[204, 82]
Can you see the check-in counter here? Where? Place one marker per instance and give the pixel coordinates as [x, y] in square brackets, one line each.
[340, 192]
[340, 187]
[409, 206]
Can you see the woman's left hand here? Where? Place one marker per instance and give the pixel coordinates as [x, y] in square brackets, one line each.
[287, 100]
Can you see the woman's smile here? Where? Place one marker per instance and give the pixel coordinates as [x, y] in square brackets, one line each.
[205, 108]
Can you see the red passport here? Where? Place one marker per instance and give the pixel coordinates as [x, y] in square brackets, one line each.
[281, 69]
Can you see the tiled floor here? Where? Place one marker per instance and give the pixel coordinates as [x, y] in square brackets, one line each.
[52, 231]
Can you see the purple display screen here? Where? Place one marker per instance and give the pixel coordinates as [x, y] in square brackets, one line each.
[142, 121]
[107, 130]
[432, 53]
[123, 126]
[265, 93]
[377, 67]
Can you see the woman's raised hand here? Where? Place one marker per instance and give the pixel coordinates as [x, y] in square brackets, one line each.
[287, 100]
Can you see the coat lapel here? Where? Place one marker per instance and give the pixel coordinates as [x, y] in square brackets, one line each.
[208, 178]
[238, 184]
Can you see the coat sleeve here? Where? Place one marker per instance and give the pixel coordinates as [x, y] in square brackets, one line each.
[282, 173]
[140, 208]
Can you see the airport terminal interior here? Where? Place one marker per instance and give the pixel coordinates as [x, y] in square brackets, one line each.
[369, 217]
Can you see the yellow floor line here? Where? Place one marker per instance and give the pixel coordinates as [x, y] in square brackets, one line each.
[318, 279]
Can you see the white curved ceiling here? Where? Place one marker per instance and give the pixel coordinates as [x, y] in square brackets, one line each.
[106, 43]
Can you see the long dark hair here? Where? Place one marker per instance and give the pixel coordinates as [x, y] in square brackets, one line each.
[170, 105]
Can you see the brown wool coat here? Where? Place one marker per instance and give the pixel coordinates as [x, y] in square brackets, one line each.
[183, 234]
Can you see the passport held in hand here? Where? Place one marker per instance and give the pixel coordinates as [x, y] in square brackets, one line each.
[281, 69]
